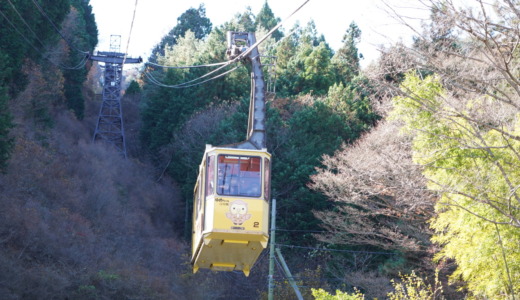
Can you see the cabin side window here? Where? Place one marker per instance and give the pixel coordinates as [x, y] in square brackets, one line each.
[239, 175]
[198, 213]
[267, 179]
[210, 179]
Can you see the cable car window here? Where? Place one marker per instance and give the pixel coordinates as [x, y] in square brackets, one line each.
[210, 184]
[199, 214]
[239, 176]
[267, 179]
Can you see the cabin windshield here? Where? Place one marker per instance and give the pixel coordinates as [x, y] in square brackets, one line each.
[239, 176]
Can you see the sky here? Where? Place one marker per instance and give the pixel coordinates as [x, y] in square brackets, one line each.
[155, 18]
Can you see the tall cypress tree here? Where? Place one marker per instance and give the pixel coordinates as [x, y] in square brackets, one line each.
[267, 20]
[346, 62]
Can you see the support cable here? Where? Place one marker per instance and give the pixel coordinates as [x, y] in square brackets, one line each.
[289, 275]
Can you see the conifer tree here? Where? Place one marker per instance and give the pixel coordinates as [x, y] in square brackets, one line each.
[346, 61]
[6, 142]
[192, 19]
[266, 19]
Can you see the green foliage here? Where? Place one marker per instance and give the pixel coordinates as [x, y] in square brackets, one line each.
[133, 88]
[243, 22]
[313, 130]
[18, 41]
[165, 110]
[194, 20]
[320, 294]
[82, 33]
[90, 28]
[475, 169]
[304, 63]
[285, 50]
[346, 61]
[413, 287]
[352, 103]
[6, 122]
[266, 19]
[104, 275]
[6, 141]
[25, 33]
[34, 33]
[317, 72]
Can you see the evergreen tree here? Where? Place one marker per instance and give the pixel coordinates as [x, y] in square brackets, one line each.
[266, 19]
[81, 33]
[308, 69]
[317, 73]
[6, 142]
[133, 88]
[287, 49]
[346, 61]
[245, 22]
[192, 19]
[19, 41]
[166, 109]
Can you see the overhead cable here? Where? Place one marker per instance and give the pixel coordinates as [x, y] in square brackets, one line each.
[185, 67]
[301, 230]
[190, 82]
[156, 82]
[56, 28]
[337, 250]
[79, 66]
[27, 25]
[129, 35]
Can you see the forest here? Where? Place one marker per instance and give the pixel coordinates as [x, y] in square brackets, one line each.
[398, 180]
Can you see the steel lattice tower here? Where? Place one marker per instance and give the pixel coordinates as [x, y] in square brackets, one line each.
[109, 127]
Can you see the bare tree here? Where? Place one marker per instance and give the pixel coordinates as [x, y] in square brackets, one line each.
[381, 193]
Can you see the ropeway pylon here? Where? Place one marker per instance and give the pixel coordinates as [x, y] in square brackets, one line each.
[109, 127]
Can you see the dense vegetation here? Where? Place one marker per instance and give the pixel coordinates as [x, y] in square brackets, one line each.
[397, 181]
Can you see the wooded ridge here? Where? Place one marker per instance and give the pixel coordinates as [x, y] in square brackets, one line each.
[395, 181]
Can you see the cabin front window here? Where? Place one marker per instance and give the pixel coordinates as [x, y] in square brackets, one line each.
[239, 176]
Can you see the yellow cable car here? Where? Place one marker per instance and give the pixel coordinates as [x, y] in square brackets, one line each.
[232, 192]
[231, 209]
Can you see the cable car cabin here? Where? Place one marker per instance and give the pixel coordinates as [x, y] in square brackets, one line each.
[231, 209]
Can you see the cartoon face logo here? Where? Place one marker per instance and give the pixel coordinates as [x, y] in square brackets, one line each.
[238, 212]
